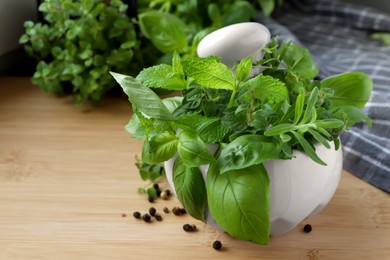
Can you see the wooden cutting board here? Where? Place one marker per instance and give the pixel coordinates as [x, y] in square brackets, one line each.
[67, 176]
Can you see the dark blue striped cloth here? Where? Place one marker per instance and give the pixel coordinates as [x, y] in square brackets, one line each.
[337, 34]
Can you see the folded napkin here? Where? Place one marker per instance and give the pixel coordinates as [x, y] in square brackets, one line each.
[338, 36]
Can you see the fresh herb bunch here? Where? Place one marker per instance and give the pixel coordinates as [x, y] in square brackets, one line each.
[250, 120]
[80, 41]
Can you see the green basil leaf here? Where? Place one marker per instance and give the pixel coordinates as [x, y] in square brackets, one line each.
[244, 68]
[352, 115]
[309, 150]
[247, 150]
[165, 30]
[135, 128]
[239, 201]
[210, 73]
[272, 89]
[192, 150]
[280, 129]
[160, 148]
[143, 98]
[162, 76]
[350, 89]
[190, 189]
[300, 61]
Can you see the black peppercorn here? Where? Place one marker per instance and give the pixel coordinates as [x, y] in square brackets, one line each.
[158, 217]
[150, 199]
[217, 245]
[187, 228]
[136, 214]
[146, 217]
[168, 192]
[156, 186]
[183, 211]
[152, 211]
[166, 210]
[176, 211]
[307, 228]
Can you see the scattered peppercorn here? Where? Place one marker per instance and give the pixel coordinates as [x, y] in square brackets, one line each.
[168, 192]
[136, 214]
[217, 245]
[183, 211]
[150, 199]
[176, 211]
[152, 211]
[123, 215]
[164, 195]
[156, 186]
[158, 217]
[146, 217]
[193, 227]
[307, 228]
[187, 228]
[166, 210]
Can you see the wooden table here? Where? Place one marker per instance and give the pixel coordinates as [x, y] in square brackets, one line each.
[67, 175]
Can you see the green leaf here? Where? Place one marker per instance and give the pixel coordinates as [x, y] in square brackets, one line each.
[299, 104]
[300, 61]
[160, 148]
[210, 73]
[319, 138]
[350, 89]
[267, 6]
[280, 129]
[247, 150]
[190, 189]
[329, 123]
[239, 201]
[165, 30]
[162, 76]
[310, 105]
[244, 68]
[351, 114]
[235, 121]
[210, 130]
[309, 150]
[192, 150]
[144, 99]
[272, 89]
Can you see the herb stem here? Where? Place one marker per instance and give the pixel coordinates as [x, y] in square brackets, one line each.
[232, 97]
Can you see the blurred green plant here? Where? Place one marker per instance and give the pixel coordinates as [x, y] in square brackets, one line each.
[79, 42]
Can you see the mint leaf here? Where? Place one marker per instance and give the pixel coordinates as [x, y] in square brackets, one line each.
[240, 202]
[162, 76]
[210, 73]
[210, 130]
[144, 99]
[244, 68]
[190, 189]
[272, 89]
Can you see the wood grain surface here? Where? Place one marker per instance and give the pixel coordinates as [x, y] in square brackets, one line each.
[67, 176]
